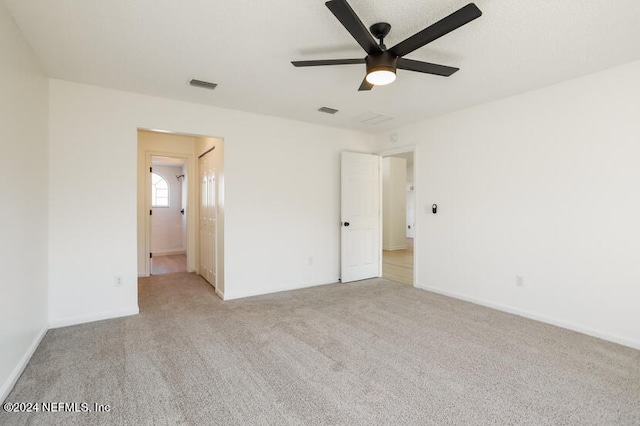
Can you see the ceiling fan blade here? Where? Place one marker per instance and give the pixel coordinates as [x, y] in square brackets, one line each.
[365, 85]
[321, 62]
[425, 67]
[353, 24]
[444, 26]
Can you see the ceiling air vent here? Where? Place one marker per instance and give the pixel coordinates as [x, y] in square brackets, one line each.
[203, 84]
[372, 118]
[327, 110]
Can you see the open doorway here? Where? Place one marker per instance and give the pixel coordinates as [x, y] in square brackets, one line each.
[168, 233]
[178, 159]
[398, 217]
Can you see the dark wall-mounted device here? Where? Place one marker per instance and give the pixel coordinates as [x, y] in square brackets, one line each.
[434, 209]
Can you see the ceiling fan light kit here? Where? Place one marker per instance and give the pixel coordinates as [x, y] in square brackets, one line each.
[381, 77]
[381, 64]
[381, 69]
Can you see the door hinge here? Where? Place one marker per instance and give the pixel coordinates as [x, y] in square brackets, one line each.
[150, 255]
[150, 212]
[151, 169]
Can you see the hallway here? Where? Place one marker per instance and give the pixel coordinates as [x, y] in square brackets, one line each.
[169, 264]
[397, 265]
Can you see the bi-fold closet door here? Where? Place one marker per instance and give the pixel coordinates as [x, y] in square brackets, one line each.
[207, 219]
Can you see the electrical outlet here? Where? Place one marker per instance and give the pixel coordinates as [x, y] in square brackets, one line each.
[118, 281]
[519, 281]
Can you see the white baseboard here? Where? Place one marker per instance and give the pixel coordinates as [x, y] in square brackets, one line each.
[274, 290]
[65, 322]
[169, 252]
[391, 248]
[537, 317]
[19, 368]
[220, 293]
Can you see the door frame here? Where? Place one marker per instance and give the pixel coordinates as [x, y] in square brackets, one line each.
[191, 208]
[390, 153]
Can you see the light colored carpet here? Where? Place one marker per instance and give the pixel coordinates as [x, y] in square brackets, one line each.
[367, 353]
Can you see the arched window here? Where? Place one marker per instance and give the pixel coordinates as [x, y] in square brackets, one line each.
[159, 191]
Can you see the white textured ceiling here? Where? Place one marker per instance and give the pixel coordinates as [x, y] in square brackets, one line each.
[156, 46]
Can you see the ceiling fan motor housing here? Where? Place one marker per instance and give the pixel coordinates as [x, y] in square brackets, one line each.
[385, 61]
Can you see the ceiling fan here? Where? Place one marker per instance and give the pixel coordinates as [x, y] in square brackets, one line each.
[381, 62]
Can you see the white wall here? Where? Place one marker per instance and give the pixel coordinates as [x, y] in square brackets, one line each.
[411, 212]
[411, 203]
[167, 233]
[23, 208]
[278, 212]
[545, 185]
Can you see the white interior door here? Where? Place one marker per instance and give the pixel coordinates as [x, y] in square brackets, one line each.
[207, 222]
[360, 217]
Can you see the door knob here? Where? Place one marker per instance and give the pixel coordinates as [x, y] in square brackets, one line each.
[346, 224]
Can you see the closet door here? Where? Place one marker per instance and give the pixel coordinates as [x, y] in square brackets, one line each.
[207, 223]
